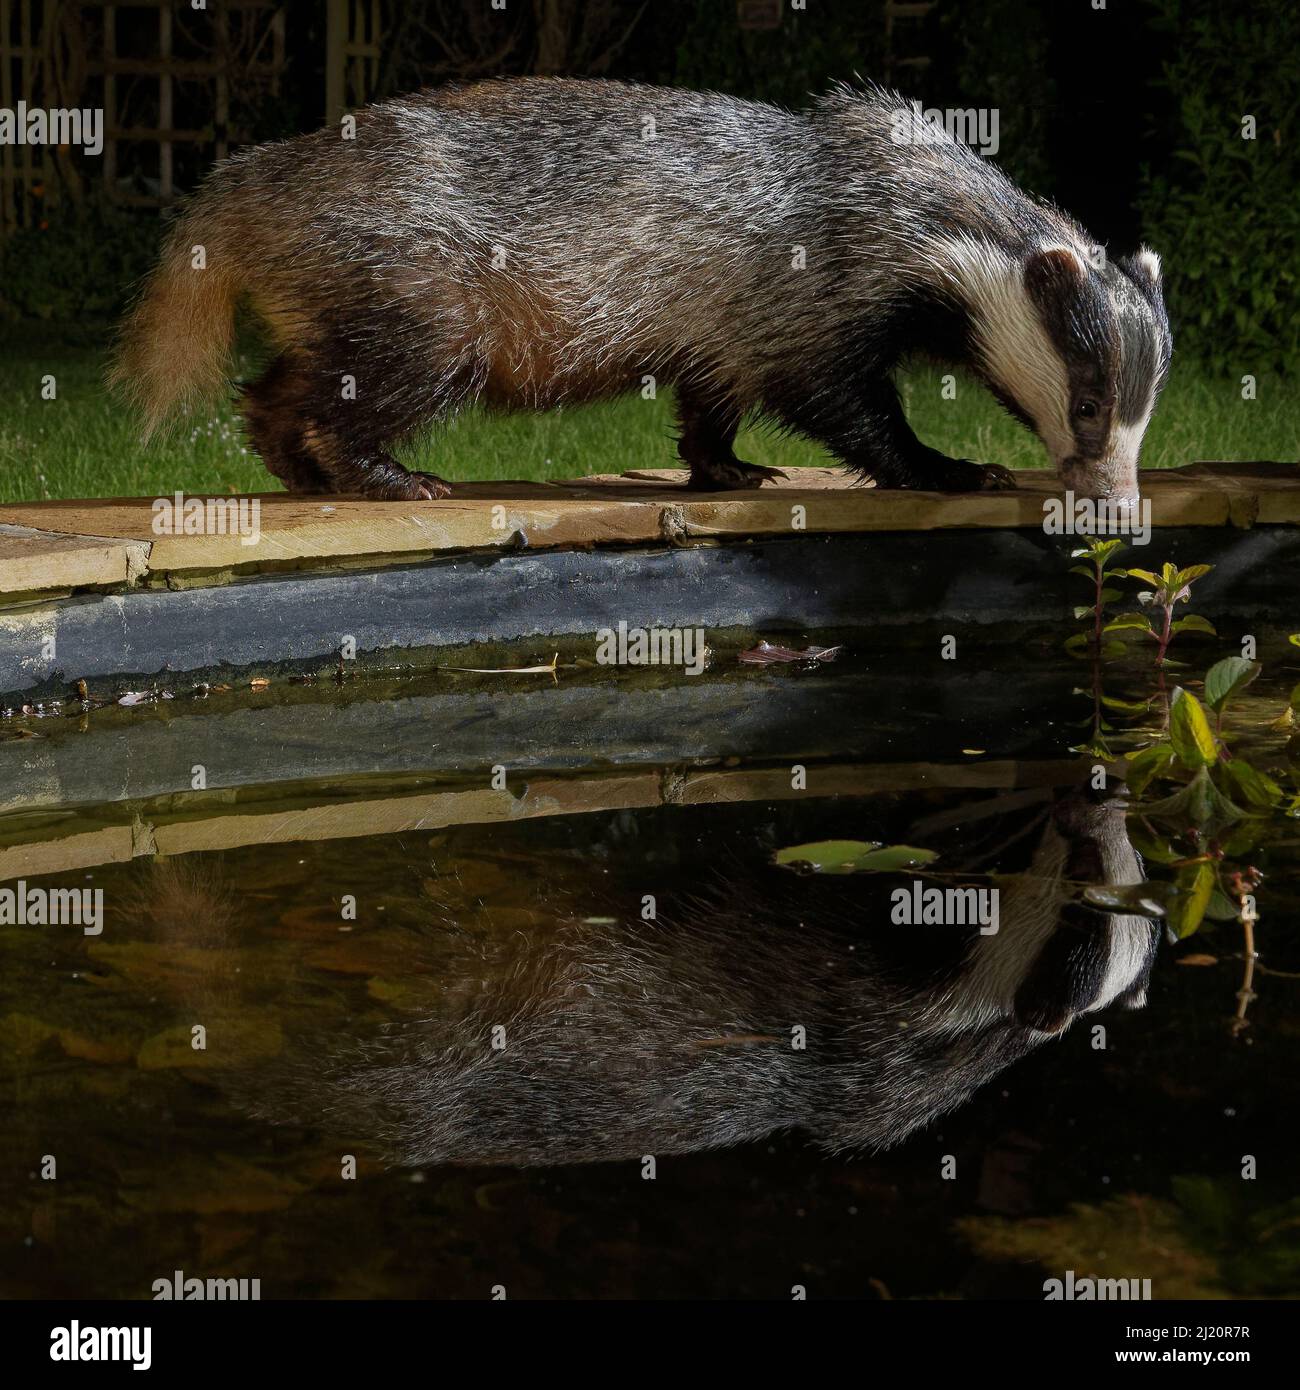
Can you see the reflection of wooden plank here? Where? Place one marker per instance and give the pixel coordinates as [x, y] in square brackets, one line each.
[543, 797]
[112, 845]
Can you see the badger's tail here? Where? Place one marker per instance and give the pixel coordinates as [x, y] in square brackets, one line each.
[173, 348]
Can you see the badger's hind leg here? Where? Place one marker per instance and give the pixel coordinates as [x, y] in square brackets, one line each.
[317, 440]
[272, 408]
[708, 422]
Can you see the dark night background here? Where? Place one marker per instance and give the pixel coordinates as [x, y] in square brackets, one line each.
[1128, 116]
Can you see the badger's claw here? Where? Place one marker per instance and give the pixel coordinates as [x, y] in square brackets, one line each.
[720, 475]
[996, 478]
[961, 475]
[431, 486]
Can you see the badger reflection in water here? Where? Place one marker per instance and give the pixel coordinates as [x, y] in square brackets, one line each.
[735, 1015]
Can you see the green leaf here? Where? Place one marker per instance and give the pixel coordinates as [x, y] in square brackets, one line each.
[1125, 706]
[1193, 623]
[1257, 788]
[1146, 576]
[1200, 804]
[1109, 595]
[1221, 908]
[1078, 643]
[1245, 837]
[1190, 575]
[1186, 911]
[852, 857]
[1226, 677]
[1153, 850]
[1190, 732]
[1084, 611]
[1147, 764]
[1128, 620]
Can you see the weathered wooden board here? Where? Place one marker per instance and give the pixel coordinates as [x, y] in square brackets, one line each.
[62, 546]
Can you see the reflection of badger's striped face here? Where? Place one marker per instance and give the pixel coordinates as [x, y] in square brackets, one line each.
[1077, 351]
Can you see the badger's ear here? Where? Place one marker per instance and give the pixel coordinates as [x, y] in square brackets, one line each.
[1143, 268]
[1053, 270]
[1147, 265]
[1066, 977]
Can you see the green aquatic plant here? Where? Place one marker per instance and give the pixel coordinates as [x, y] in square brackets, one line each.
[1169, 588]
[1096, 556]
[1206, 828]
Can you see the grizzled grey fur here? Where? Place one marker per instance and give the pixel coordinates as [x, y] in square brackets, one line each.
[536, 242]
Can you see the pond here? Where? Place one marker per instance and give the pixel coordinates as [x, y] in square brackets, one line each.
[457, 985]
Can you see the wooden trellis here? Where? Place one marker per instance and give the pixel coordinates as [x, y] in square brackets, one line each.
[903, 37]
[215, 70]
[352, 53]
[25, 170]
[62, 54]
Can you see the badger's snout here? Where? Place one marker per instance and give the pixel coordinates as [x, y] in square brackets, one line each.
[1112, 482]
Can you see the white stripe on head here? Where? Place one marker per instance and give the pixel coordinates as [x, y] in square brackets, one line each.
[1011, 341]
[1137, 336]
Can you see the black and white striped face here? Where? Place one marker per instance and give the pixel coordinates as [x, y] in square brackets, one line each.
[1076, 352]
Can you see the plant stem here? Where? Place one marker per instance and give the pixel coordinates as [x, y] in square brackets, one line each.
[1245, 994]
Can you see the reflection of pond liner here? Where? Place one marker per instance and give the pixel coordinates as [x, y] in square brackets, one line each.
[204, 823]
[999, 580]
[893, 711]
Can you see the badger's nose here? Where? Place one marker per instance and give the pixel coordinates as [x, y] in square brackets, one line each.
[1099, 481]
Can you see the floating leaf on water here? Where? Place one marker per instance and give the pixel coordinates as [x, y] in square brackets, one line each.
[1145, 899]
[549, 670]
[853, 857]
[767, 654]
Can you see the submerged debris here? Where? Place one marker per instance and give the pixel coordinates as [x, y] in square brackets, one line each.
[144, 697]
[550, 669]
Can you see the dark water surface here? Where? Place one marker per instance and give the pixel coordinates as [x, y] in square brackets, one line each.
[503, 1035]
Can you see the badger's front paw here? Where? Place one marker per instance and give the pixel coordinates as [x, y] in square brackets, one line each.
[961, 475]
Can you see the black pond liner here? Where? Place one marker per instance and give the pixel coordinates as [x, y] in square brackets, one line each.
[1001, 581]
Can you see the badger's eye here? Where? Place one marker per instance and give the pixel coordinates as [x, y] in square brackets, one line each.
[1086, 410]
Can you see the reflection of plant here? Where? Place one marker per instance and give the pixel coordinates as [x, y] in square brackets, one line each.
[1171, 586]
[1217, 811]
[1204, 830]
[1097, 556]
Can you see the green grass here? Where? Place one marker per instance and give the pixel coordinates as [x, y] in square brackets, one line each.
[84, 444]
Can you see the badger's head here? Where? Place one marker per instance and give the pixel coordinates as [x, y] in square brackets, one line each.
[1075, 346]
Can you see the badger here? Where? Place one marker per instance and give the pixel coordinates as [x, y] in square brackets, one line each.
[532, 243]
[746, 1008]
